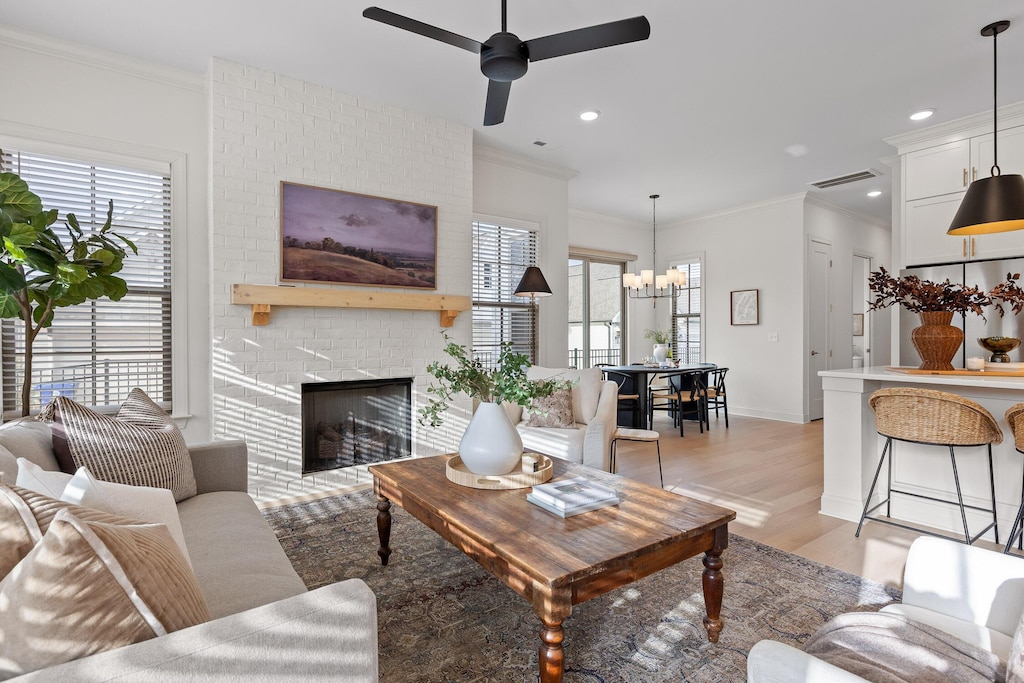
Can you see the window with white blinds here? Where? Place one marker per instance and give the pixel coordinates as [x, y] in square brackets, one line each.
[500, 256]
[97, 351]
[686, 315]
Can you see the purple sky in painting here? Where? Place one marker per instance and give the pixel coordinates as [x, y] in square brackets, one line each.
[311, 214]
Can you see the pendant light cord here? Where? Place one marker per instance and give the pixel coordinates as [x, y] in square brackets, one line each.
[995, 170]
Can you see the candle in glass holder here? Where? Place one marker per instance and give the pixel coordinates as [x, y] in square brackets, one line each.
[975, 363]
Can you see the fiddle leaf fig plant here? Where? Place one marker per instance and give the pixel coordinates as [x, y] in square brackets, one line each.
[40, 271]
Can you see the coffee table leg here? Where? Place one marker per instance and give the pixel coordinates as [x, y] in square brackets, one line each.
[551, 655]
[714, 583]
[384, 528]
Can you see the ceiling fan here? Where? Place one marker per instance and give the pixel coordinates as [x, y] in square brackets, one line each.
[504, 57]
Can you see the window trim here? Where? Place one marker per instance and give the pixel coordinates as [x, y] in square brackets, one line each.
[589, 256]
[64, 144]
[686, 260]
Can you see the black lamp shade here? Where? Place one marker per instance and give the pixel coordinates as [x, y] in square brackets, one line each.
[993, 204]
[533, 284]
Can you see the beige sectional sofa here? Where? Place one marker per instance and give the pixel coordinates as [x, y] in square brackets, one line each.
[264, 625]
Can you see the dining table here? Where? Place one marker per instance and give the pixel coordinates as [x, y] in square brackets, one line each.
[641, 375]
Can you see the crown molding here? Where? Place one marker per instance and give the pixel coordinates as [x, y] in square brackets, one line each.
[823, 203]
[521, 163]
[101, 59]
[743, 208]
[957, 129]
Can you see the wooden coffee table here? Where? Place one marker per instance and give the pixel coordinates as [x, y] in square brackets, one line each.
[556, 563]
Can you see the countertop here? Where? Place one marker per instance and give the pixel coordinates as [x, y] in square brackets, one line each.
[882, 373]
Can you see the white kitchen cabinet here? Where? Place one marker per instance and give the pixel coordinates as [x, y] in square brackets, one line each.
[935, 181]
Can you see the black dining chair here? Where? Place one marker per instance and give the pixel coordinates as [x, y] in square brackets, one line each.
[629, 400]
[716, 397]
[691, 398]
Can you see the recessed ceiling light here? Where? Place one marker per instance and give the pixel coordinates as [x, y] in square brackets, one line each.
[921, 115]
[590, 114]
[875, 193]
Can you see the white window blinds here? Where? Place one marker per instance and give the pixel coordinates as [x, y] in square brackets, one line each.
[500, 256]
[97, 351]
[686, 318]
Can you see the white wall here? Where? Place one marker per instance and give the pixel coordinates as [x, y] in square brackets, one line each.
[607, 233]
[511, 187]
[64, 96]
[266, 128]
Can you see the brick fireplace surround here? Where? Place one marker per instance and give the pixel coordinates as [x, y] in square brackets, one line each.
[265, 128]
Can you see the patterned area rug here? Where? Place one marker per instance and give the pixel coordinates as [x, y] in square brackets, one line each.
[443, 618]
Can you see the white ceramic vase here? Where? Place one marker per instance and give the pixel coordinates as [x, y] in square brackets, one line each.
[661, 352]
[491, 444]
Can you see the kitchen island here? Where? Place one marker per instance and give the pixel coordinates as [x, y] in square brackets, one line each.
[852, 449]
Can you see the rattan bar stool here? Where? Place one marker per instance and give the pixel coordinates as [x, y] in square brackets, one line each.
[1015, 417]
[935, 418]
[644, 435]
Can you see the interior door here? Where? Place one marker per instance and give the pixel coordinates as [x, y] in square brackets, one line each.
[819, 347]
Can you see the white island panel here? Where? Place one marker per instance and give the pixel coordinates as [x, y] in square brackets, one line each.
[853, 447]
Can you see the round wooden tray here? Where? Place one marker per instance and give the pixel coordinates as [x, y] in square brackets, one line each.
[517, 479]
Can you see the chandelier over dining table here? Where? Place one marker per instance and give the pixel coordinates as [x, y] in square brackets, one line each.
[645, 284]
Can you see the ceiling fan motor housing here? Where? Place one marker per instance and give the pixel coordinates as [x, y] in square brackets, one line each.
[504, 57]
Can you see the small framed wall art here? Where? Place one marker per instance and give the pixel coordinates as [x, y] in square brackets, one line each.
[355, 239]
[744, 307]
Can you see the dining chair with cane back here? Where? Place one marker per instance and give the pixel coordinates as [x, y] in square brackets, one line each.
[1015, 418]
[936, 418]
[716, 397]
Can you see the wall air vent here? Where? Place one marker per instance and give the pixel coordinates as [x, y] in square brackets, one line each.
[845, 179]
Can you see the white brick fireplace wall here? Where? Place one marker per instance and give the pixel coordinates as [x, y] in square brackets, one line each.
[265, 128]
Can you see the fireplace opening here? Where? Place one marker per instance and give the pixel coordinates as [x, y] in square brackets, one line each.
[355, 423]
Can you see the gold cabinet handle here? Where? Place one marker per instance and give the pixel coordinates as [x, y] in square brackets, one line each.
[965, 177]
[965, 247]
[974, 174]
[972, 247]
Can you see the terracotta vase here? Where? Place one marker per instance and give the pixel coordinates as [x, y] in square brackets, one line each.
[936, 340]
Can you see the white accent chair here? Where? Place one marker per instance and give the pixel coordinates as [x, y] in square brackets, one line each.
[974, 594]
[594, 407]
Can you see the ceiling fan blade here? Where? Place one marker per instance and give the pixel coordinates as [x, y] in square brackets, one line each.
[398, 21]
[497, 100]
[590, 38]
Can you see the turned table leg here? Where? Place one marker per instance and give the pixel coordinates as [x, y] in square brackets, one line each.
[714, 583]
[384, 528]
[551, 655]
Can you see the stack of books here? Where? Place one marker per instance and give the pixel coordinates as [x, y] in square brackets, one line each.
[572, 496]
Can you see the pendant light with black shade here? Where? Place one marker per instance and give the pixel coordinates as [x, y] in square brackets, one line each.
[994, 204]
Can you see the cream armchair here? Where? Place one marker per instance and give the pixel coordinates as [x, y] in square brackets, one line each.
[594, 405]
[974, 594]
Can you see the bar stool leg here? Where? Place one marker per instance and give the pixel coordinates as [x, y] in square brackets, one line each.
[611, 458]
[1015, 530]
[992, 483]
[959, 497]
[871, 491]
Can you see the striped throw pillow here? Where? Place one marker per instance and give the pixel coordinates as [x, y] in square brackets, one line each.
[140, 446]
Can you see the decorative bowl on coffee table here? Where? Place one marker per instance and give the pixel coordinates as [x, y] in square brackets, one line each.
[999, 347]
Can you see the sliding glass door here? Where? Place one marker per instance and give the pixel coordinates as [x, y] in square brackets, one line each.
[595, 312]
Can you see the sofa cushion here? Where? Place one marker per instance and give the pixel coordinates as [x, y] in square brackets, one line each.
[566, 444]
[140, 446]
[586, 388]
[27, 437]
[47, 482]
[550, 411]
[88, 587]
[237, 558]
[26, 515]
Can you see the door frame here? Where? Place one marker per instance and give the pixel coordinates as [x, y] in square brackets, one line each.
[811, 380]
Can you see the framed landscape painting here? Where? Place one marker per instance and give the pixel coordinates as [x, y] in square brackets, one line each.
[355, 239]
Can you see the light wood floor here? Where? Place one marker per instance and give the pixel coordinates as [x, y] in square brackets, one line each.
[770, 473]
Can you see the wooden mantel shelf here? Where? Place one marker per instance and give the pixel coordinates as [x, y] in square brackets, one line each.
[262, 297]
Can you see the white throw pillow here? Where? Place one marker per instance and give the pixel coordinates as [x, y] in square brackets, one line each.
[8, 466]
[34, 478]
[144, 503]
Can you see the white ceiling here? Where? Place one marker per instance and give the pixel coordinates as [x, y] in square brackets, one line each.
[701, 113]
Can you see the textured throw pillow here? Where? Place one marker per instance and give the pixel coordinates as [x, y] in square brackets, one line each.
[1015, 663]
[8, 466]
[586, 389]
[128, 584]
[140, 446]
[142, 503]
[551, 411]
[26, 515]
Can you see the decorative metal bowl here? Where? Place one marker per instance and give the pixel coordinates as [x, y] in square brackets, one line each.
[999, 347]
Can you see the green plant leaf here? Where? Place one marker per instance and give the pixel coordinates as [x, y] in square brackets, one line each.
[9, 307]
[11, 279]
[73, 273]
[18, 201]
